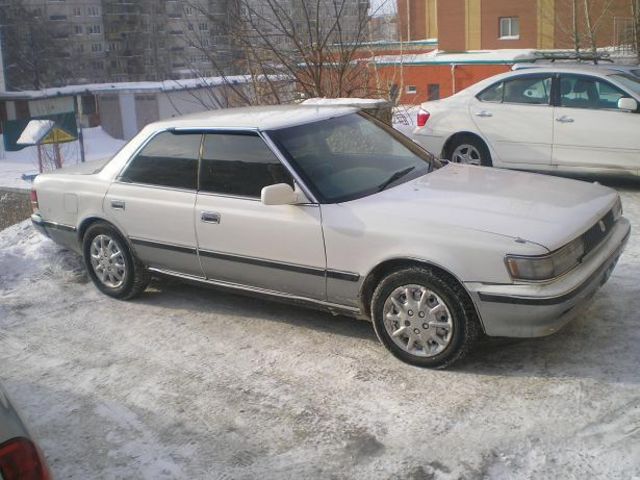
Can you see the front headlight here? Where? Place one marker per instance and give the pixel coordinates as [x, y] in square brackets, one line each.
[545, 267]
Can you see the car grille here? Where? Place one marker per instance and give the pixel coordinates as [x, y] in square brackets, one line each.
[596, 234]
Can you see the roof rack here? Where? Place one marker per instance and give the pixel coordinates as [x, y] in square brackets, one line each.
[554, 55]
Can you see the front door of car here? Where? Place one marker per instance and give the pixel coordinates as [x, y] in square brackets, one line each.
[242, 241]
[152, 202]
[516, 117]
[590, 132]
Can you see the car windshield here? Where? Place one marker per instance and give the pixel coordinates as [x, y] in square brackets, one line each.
[351, 156]
[629, 81]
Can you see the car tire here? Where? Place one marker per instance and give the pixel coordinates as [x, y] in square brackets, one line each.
[443, 325]
[110, 263]
[470, 150]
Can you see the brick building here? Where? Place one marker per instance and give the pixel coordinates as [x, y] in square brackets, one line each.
[506, 24]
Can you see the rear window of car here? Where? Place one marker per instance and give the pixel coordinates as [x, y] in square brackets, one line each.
[168, 160]
[523, 90]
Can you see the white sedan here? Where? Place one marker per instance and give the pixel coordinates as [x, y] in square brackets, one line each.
[563, 119]
[329, 207]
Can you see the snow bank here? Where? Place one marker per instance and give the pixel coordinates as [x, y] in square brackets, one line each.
[27, 256]
[97, 145]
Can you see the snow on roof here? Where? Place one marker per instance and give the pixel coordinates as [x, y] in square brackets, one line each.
[437, 57]
[35, 131]
[163, 86]
[264, 117]
[353, 102]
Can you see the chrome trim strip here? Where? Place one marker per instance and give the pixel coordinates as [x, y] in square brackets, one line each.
[261, 291]
[341, 275]
[260, 262]
[163, 246]
[58, 226]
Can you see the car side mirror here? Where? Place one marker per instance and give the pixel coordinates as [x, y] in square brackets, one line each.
[626, 103]
[278, 194]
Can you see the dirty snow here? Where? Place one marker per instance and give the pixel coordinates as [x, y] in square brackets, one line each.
[97, 145]
[191, 383]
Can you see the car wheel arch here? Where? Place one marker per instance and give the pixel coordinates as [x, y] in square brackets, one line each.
[386, 267]
[88, 221]
[458, 135]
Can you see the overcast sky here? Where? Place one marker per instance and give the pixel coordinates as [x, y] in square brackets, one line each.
[380, 7]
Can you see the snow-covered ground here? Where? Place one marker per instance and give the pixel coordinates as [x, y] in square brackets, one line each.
[97, 144]
[192, 383]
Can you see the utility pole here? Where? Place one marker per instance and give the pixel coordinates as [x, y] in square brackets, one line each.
[79, 127]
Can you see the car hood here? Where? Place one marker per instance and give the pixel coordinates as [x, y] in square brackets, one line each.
[546, 210]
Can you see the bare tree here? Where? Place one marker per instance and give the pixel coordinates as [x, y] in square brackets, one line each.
[595, 14]
[583, 25]
[312, 47]
[36, 51]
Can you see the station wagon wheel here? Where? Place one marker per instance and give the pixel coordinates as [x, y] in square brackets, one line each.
[110, 263]
[423, 317]
[469, 150]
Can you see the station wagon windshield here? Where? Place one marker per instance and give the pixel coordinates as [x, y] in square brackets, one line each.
[351, 156]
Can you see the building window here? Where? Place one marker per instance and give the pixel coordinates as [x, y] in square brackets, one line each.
[411, 89]
[77, 29]
[433, 91]
[203, 27]
[510, 28]
[96, 47]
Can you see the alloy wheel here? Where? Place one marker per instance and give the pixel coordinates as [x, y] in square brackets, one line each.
[466, 153]
[108, 261]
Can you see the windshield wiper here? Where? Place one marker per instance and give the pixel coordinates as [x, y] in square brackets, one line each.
[396, 176]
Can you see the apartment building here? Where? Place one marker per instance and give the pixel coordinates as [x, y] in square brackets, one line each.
[463, 25]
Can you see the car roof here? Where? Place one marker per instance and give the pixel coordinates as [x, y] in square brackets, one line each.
[586, 70]
[590, 68]
[262, 118]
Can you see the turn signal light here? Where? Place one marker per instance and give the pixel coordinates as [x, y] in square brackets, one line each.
[21, 460]
[423, 117]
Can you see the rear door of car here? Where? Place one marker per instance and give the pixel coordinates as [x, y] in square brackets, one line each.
[516, 117]
[242, 241]
[153, 198]
[590, 132]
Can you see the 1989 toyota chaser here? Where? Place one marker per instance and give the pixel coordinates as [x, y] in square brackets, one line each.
[325, 205]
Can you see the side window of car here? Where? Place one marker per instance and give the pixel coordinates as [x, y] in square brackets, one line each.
[588, 92]
[493, 94]
[168, 160]
[528, 90]
[239, 164]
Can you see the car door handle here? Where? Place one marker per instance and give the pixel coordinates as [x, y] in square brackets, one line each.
[210, 217]
[117, 204]
[484, 114]
[564, 119]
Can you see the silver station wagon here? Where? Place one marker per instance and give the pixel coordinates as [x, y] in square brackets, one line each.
[328, 206]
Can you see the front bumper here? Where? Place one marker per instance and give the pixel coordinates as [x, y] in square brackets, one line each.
[535, 310]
